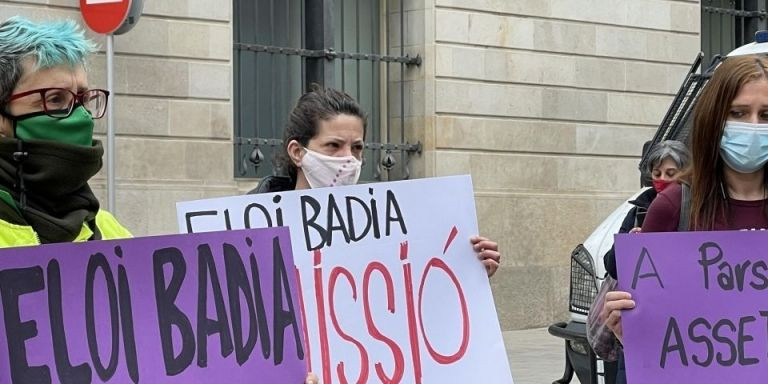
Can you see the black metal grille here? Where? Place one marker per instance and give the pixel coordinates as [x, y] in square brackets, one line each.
[329, 53]
[728, 24]
[734, 12]
[281, 47]
[583, 281]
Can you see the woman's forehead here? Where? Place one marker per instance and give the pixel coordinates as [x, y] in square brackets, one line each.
[665, 163]
[344, 126]
[751, 90]
[61, 76]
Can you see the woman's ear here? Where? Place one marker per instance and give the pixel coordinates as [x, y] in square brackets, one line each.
[295, 152]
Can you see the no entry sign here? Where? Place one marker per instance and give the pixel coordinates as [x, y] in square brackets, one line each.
[105, 16]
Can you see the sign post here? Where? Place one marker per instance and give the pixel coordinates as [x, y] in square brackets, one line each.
[111, 17]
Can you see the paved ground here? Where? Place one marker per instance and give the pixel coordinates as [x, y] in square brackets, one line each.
[535, 356]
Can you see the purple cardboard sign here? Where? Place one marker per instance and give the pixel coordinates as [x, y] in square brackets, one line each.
[219, 307]
[701, 314]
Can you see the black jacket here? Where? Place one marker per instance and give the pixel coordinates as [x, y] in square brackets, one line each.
[633, 219]
[274, 184]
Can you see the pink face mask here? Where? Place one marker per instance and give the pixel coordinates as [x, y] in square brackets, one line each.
[660, 185]
[330, 171]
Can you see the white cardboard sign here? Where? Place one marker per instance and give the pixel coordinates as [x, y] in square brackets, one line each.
[391, 289]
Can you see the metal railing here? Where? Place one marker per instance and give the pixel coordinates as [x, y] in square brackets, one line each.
[358, 67]
[727, 24]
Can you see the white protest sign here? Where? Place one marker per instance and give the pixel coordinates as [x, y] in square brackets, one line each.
[391, 288]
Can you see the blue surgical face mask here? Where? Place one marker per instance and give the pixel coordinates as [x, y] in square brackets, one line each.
[744, 146]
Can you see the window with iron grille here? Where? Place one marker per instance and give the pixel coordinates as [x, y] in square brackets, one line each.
[728, 24]
[281, 47]
[265, 84]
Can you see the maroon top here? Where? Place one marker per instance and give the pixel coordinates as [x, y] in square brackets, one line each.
[664, 213]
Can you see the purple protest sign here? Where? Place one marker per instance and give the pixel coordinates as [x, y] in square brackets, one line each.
[701, 314]
[219, 307]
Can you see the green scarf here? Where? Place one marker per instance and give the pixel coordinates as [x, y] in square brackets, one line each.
[55, 179]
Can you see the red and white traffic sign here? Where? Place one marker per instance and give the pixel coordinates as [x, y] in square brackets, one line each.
[105, 16]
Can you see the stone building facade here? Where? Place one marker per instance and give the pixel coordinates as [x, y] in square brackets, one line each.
[546, 103]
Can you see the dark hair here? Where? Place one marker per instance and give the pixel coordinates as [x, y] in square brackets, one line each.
[319, 104]
[710, 114]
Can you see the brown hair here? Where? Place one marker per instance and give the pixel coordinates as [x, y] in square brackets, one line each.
[316, 105]
[708, 190]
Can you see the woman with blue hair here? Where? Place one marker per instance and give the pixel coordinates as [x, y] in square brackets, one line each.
[47, 151]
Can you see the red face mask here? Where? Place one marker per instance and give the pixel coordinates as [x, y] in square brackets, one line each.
[660, 185]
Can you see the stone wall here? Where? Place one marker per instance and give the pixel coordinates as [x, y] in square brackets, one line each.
[547, 104]
[173, 110]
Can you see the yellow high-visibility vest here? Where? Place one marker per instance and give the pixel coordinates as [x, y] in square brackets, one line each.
[14, 235]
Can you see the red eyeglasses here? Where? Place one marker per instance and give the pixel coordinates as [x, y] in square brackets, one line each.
[60, 102]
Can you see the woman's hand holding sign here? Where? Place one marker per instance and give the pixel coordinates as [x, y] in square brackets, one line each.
[312, 379]
[487, 252]
[615, 302]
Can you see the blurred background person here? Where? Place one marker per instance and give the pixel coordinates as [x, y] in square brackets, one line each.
[667, 160]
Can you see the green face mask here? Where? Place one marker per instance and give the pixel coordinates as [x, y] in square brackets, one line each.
[76, 129]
